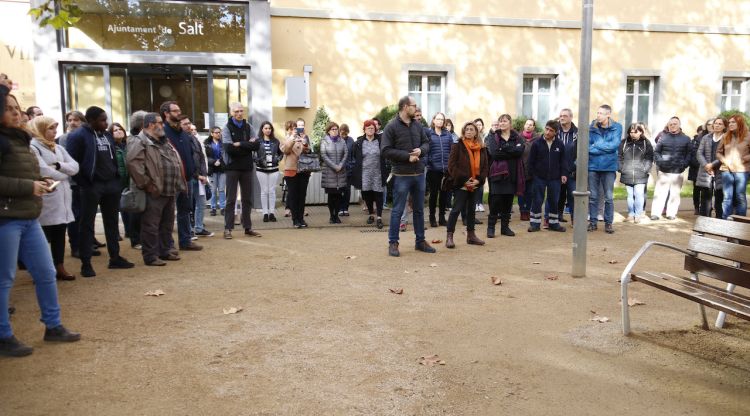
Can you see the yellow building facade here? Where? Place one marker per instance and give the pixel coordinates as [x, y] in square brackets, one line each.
[285, 58]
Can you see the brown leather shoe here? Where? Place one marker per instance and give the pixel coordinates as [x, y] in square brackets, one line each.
[62, 274]
[449, 241]
[192, 247]
[170, 257]
[156, 262]
[471, 238]
[252, 233]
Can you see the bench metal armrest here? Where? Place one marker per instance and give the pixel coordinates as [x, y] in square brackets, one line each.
[625, 278]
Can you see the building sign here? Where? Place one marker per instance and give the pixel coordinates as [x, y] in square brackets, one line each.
[159, 26]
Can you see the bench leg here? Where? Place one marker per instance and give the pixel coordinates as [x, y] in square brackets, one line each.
[722, 315]
[624, 280]
[704, 320]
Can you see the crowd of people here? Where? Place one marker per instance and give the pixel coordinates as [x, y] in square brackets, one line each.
[52, 186]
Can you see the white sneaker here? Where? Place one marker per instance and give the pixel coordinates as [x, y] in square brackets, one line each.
[600, 217]
[480, 208]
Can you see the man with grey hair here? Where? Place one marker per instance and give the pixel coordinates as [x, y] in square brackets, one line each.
[134, 218]
[568, 135]
[239, 140]
[156, 168]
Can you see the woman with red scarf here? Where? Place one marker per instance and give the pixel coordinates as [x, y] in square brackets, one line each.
[529, 135]
[467, 171]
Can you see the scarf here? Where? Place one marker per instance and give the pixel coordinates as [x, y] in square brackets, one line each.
[527, 135]
[237, 123]
[474, 147]
[49, 143]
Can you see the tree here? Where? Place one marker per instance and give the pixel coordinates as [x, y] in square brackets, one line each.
[319, 127]
[59, 14]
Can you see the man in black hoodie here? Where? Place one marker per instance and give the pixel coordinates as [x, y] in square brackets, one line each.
[672, 156]
[99, 181]
[240, 141]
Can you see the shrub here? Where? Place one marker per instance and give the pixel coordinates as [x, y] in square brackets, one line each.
[730, 113]
[386, 114]
[319, 127]
[519, 121]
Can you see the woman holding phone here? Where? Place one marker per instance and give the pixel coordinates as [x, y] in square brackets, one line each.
[297, 144]
[21, 236]
[57, 211]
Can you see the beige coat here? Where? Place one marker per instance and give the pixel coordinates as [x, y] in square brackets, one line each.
[734, 157]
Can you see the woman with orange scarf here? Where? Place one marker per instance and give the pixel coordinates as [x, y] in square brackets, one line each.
[467, 171]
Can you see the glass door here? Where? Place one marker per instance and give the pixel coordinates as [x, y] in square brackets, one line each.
[86, 86]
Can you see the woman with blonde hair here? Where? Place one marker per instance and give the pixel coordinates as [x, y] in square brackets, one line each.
[467, 171]
[57, 211]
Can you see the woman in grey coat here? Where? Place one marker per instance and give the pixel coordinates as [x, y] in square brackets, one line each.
[57, 211]
[708, 181]
[333, 154]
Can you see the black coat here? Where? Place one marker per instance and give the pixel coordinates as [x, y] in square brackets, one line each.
[636, 158]
[357, 171]
[511, 152]
[694, 166]
[673, 153]
[212, 168]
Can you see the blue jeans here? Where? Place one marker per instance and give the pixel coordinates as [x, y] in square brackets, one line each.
[539, 187]
[24, 240]
[200, 206]
[219, 182]
[735, 200]
[636, 196]
[403, 187]
[184, 206]
[605, 180]
[524, 201]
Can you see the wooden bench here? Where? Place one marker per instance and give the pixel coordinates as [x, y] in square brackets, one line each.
[725, 258]
[730, 287]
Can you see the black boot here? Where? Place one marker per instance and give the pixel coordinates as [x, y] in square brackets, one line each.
[491, 221]
[441, 220]
[505, 228]
[433, 221]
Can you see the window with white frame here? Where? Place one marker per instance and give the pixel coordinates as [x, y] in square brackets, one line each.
[639, 99]
[538, 97]
[734, 94]
[428, 90]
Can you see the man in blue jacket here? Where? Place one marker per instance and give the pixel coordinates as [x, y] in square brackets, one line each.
[99, 181]
[604, 139]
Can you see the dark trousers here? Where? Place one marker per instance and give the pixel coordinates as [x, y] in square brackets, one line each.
[334, 201]
[552, 188]
[500, 206]
[245, 180]
[106, 198]
[373, 202]
[184, 204]
[74, 231]
[296, 195]
[346, 195]
[125, 216]
[462, 201]
[705, 201]
[157, 225]
[696, 197]
[135, 228]
[438, 198]
[56, 238]
[563, 199]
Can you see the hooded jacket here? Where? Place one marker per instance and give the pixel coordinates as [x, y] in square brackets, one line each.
[603, 144]
[636, 158]
[81, 145]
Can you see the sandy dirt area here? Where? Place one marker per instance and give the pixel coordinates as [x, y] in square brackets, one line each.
[320, 334]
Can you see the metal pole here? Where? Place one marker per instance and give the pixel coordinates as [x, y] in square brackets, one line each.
[581, 194]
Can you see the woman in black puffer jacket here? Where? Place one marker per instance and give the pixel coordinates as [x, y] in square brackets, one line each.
[636, 157]
[21, 236]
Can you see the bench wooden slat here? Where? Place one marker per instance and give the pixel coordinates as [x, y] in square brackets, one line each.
[718, 248]
[740, 218]
[694, 291]
[718, 271]
[722, 228]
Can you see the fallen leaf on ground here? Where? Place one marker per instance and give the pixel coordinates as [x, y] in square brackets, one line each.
[398, 291]
[232, 310]
[604, 249]
[536, 262]
[157, 292]
[406, 271]
[433, 264]
[551, 277]
[635, 302]
[437, 241]
[593, 311]
[431, 360]
[351, 257]
[613, 262]
[600, 319]
[496, 281]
